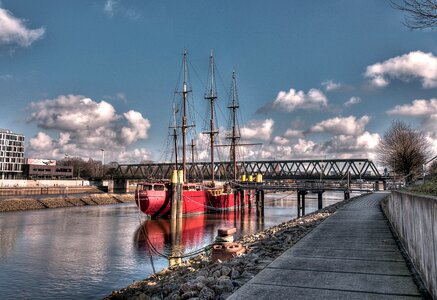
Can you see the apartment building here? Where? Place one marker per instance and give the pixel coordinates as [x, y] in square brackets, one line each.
[11, 154]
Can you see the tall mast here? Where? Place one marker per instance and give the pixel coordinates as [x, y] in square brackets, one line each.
[235, 134]
[211, 97]
[184, 119]
[175, 138]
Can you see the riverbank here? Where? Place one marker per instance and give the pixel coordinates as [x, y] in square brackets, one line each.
[20, 204]
[201, 278]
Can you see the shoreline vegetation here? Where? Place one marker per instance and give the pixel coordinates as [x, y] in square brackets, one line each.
[429, 187]
[201, 278]
[74, 200]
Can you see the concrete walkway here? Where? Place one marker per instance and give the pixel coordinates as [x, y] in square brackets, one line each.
[351, 255]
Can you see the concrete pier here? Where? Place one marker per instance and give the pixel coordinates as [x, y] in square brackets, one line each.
[351, 255]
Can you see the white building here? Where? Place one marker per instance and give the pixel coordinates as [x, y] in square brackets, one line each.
[11, 154]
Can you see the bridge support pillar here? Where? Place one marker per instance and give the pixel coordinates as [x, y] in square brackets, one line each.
[377, 185]
[320, 199]
[118, 186]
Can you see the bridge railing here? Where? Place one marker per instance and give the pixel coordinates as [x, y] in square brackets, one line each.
[338, 169]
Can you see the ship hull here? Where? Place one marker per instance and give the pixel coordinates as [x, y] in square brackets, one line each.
[158, 203]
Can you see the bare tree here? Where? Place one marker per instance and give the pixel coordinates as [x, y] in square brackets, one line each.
[421, 14]
[404, 149]
[432, 169]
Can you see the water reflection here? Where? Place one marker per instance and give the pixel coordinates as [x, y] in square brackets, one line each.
[174, 239]
[8, 241]
[86, 252]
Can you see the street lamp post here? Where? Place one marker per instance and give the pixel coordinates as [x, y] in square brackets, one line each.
[103, 161]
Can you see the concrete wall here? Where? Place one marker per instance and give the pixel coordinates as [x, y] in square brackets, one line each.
[414, 218]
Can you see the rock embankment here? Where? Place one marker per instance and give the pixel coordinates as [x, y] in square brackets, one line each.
[16, 204]
[202, 278]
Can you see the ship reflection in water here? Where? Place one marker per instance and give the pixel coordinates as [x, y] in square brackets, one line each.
[175, 239]
[172, 240]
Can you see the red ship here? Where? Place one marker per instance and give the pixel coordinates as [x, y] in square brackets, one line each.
[155, 198]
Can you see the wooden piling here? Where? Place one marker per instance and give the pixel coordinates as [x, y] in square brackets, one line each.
[242, 198]
[320, 199]
[174, 201]
[298, 204]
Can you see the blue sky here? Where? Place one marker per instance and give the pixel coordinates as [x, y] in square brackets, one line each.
[315, 78]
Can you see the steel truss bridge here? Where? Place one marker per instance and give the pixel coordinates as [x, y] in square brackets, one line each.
[335, 169]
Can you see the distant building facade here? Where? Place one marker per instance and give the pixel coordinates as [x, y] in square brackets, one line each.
[46, 169]
[11, 154]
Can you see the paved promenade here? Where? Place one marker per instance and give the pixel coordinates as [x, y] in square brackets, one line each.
[351, 255]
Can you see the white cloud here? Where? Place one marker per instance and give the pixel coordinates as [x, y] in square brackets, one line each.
[72, 112]
[41, 142]
[331, 85]
[342, 125]
[258, 129]
[419, 107]
[292, 133]
[138, 129]
[353, 100]
[279, 140]
[84, 127]
[292, 100]
[13, 30]
[416, 64]
[134, 156]
[426, 112]
[352, 146]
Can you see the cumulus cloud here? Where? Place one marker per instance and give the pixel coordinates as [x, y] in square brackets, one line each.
[72, 112]
[293, 100]
[134, 156]
[353, 100]
[331, 85]
[279, 140]
[84, 126]
[346, 137]
[342, 125]
[292, 133]
[41, 142]
[258, 129]
[419, 107]
[352, 144]
[426, 112]
[138, 129]
[13, 31]
[416, 64]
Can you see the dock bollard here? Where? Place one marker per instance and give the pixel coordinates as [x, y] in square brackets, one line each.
[224, 247]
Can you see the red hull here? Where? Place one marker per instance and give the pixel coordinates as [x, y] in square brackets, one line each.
[157, 203]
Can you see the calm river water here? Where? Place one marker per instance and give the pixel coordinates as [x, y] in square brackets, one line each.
[87, 252]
